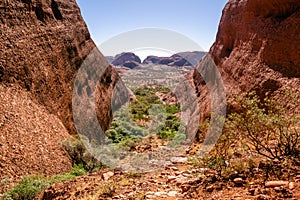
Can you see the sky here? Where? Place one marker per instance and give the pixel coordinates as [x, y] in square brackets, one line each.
[195, 19]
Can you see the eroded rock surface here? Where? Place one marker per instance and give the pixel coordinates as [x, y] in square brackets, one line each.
[257, 48]
[42, 45]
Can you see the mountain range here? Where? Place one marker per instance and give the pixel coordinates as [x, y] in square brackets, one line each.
[130, 60]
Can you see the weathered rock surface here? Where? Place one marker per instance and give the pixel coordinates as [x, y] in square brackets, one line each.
[257, 48]
[42, 45]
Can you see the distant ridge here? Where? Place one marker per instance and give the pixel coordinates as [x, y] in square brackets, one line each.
[130, 60]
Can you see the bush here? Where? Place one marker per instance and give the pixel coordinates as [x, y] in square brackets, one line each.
[30, 186]
[80, 155]
[258, 128]
[266, 126]
[172, 109]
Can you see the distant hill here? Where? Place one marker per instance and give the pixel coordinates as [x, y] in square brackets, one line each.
[127, 59]
[130, 60]
[179, 59]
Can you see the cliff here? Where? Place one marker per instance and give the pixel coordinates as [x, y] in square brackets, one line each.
[43, 44]
[257, 48]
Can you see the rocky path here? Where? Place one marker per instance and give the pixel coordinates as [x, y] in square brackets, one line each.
[177, 181]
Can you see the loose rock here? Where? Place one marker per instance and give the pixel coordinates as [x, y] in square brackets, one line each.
[273, 184]
[238, 181]
[107, 175]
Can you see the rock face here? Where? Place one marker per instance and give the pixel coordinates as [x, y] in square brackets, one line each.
[126, 59]
[179, 59]
[43, 44]
[257, 48]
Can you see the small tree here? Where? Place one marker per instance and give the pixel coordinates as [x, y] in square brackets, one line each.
[266, 127]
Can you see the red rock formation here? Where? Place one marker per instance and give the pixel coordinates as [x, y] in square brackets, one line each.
[257, 48]
[124, 58]
[42, 45]
[178, 59]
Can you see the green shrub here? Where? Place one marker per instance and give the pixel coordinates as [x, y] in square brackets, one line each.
[258, 128]
[129, 143]
[30, 186]
[166, 134]
[80, 155]
[266, 126]
[172, 109]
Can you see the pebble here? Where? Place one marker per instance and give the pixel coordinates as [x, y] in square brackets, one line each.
[179, 160]
[172, 193]
[277, 189]
[150, 193]
[177, 173]
[174, 168]
[273, 184]
[291, 185]
[238, 181]
[107, 175]
[263, 197]
[187, 175]
[171, 178]
[160, 194]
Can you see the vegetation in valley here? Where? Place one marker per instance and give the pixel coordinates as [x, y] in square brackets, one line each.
[146, 115]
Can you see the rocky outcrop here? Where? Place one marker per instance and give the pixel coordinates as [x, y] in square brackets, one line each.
[131, 64]
[126, 59]
[43, 44]
[178, 60]
[257, 48]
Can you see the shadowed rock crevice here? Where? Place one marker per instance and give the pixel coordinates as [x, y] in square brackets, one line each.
[55, 10]
[39, 12]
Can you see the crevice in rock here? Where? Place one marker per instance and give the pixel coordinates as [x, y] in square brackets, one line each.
[40, 14]
[228, 52]
[55, 10]
[1, 74]
[27, 1]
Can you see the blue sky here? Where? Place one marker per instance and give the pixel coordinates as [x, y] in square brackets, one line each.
[196, 19]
